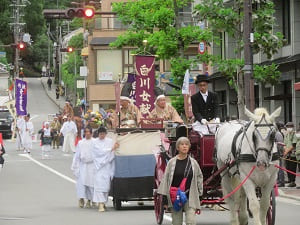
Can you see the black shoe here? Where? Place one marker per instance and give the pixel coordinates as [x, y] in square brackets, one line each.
[292, 184]
[280, 185]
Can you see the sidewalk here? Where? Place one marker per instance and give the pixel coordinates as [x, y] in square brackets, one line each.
[51, 94]
[292, 193]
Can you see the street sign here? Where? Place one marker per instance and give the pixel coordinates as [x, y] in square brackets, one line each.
[81, 84]
[83, 71]
[201, 47]
[2, 54]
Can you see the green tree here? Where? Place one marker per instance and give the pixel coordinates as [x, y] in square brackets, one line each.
[228, 17]
[159, 22]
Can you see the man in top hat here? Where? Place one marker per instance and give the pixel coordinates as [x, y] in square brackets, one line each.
[27, 134]
[290, 141]
[130, 115]
[163, 110]
[204, 103]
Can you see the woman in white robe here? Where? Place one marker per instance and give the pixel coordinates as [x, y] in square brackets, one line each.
[27, 134]
[84, 169]
[69, 131]
[103, 154]
[20, 127]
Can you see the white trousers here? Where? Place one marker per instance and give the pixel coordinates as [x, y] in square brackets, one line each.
[69, 143]
[100, 197]
[84, 191]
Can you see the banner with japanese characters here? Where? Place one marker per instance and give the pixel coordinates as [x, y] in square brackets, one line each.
[21, 97]
[131, 79]
[145, 83]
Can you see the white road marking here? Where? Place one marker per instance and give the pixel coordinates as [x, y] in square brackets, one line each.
[48, 168]
[34, 116]
[12, 218]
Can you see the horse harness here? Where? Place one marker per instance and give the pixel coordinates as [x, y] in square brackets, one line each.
[236, 152]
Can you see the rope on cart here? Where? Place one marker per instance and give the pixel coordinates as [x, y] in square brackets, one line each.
[231, 193]
[288, 171]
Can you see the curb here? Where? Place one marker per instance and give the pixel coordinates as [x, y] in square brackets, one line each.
[58, 105]
[283, 195]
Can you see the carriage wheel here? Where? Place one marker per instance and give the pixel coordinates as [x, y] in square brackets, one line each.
[158, 208]
[117, 204]
[272, 209]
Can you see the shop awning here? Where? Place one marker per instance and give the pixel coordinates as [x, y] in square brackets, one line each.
[278, 97]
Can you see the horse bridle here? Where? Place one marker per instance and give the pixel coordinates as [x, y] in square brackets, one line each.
[271, 135]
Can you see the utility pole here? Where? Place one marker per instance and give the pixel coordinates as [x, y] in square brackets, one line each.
[248, 68]
[17, 27]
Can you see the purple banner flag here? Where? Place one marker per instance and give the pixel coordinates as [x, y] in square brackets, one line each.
[21, 97]
[145, 83]
[131, 79]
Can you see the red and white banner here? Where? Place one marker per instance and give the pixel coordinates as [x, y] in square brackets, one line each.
[145, 83]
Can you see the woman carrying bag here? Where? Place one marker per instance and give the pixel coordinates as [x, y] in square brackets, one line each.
[182, 185]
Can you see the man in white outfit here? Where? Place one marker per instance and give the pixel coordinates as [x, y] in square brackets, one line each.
[84, 169]
[20, 127]
[27, 134]
[69, 131]
[103, 154]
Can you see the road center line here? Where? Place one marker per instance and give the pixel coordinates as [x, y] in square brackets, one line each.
[48, 168]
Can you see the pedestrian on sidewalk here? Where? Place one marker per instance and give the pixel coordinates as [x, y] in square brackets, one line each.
[46, 140]
[55, 128]
[290, 141]
[84, 169]
[279, 137]
[2, 152]
[27, 134]
[182, 171]
[103, 155]
[69, 131]
[49, 82]
[57, 92]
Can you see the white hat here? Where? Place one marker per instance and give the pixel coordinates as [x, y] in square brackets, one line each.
[125, 98]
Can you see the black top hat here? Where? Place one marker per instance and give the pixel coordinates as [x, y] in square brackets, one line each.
[201, 78]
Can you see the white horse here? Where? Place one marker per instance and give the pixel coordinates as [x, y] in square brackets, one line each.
[249, 144]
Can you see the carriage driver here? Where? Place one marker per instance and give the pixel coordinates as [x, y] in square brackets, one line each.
[205, 103]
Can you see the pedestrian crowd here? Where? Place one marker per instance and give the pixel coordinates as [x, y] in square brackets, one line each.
[288, 142]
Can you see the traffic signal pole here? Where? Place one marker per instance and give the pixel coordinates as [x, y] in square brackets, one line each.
[248, 57]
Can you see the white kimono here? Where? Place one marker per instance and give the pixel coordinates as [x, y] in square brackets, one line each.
[27, 136]
[69, 130]
[105, 168]
[84, 169]
[20, 124]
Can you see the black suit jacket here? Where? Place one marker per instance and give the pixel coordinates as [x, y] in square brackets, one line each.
[205, 110]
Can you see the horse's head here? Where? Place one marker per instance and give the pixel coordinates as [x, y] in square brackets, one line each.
[263, 134]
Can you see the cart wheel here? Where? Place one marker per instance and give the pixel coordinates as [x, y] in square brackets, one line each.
[117, 204]
[272, 209]
[158, 208]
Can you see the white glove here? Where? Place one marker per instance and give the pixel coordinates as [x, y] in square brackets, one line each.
[204, 121]
[217, 120]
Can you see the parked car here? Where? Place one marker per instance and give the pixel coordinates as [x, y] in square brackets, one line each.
[6, 120]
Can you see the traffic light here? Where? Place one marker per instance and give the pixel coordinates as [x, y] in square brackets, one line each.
[80, 12]
[21, 46]
[70, 49]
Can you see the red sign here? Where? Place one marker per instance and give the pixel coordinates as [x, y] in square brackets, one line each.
[202, 47]
[145, 83]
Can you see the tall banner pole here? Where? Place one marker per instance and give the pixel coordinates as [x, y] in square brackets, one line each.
[145, 83]
[117, 95]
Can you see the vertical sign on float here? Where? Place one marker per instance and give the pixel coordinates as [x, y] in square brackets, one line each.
[21, 97]
[145, 82]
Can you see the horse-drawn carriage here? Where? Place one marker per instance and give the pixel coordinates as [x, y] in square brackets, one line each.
[203, 150]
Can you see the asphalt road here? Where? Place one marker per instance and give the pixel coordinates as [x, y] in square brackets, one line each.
[42, 192]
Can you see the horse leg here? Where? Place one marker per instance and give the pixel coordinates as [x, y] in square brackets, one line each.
[243, 214]
[254, 205]
[265, 201]
[232, 201]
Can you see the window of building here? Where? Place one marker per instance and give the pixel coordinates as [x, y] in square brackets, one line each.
[128, 61]
[109, 65]
[286, 21]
